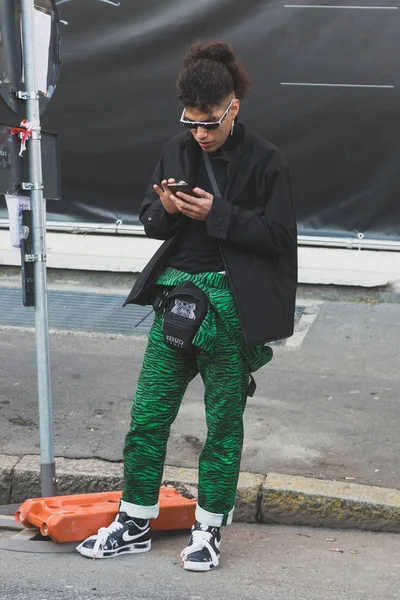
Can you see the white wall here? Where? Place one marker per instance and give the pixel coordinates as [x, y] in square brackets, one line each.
[125, 253]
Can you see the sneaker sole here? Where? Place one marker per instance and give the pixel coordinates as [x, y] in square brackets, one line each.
[132, 549]
[189, 565]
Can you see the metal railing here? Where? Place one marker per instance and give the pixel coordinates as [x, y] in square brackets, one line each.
[360, 242]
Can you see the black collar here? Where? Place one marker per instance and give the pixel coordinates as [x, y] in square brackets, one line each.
[231, 151]
[227, 152]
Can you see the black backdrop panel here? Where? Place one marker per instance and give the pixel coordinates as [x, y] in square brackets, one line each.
[115, 103]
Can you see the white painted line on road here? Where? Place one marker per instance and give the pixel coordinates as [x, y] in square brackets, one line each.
[9, 522]
[303, 327]
[26, 541]
[339, 7]
[344, 85]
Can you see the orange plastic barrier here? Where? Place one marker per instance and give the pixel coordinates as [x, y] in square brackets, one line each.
[74, 518]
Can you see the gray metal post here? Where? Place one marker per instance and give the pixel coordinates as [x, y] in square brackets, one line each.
[47, 464]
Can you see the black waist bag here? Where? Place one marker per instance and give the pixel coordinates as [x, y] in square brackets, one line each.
[183, 310]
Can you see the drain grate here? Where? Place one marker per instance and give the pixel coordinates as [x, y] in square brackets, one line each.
[87, 312]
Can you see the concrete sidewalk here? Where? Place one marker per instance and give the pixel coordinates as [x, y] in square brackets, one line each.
[326, 409]
[257, 563]
[275, 498]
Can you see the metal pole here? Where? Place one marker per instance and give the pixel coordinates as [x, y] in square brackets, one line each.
[47, 464]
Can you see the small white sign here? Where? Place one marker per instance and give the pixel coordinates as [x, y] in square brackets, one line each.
[42, 46]
[15, 205]
[42, 31]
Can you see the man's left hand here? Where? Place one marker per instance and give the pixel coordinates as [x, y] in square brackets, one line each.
[195, 208]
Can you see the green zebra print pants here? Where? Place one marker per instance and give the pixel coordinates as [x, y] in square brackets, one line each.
[163, 380]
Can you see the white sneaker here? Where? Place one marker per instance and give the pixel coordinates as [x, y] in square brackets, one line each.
[202, 552]
[125, 535]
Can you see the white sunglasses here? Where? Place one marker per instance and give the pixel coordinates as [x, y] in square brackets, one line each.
[208, 125]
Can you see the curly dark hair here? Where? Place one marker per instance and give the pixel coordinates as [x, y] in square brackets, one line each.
[210, 73]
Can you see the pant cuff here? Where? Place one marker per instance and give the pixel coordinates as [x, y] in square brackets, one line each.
[213, 519]
[139, 512]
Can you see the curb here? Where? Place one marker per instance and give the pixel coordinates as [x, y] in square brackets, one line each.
[275, 498]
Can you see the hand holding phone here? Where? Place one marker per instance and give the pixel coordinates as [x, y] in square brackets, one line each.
[165, 196]
[181, 187]
[198, 209]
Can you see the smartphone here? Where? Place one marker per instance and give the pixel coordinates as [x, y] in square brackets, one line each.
[181, 187]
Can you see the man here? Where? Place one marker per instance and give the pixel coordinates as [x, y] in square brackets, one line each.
[236, 242]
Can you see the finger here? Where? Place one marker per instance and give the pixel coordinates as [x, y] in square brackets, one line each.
[158, 190]
[185, 208]
[164, 184]
[171, 180]
[186, 197]
[179, 204]
[203, 194]
[187, 213]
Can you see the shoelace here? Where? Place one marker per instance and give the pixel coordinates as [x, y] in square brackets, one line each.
[201, 539]
[102, 536]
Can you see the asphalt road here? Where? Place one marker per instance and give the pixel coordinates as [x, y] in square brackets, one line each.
[259, 562]
[329, 409]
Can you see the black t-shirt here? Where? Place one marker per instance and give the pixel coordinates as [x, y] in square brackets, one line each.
[196, 251]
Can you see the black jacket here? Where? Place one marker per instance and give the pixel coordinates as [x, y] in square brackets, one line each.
[254, 224]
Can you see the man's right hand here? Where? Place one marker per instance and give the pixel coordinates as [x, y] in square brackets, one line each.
[165, 197]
